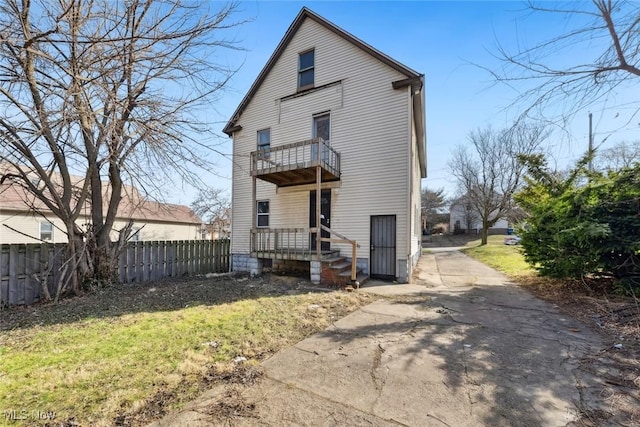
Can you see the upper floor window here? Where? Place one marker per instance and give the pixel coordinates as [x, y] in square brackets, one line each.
[306, 67]
[46, 231]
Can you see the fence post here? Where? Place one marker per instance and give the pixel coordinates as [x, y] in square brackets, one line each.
[163, 259]
[169, 259]
[122, 261]
[216, 253]
[139, 248]
[31, 294]
[196, 257]
[4, 274]
[13, 276]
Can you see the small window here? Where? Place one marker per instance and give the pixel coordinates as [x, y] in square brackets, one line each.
[306, 67]
[263, 214]
[135, 235]
[264, 141]
[46, 231]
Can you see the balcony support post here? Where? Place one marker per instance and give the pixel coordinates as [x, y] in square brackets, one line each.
[254, 205]
[318, 220]
[254, 238]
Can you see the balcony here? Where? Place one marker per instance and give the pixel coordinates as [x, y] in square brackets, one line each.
[295, 164]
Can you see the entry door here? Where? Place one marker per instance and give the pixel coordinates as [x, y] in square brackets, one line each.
[322, 131]
[325, 216]
[382, 253]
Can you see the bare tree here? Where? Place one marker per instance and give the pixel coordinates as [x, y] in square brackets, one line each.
[488, 171]
[214, 207]
[98, 96]
[621, 155]
[606, 33]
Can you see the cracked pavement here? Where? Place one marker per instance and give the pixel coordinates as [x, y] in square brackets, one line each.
[459, 347]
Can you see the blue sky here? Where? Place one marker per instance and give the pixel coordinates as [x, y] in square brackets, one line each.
[440, 39]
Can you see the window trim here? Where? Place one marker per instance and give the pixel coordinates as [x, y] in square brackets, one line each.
[304, 70]
[49, 224]
[258, 214]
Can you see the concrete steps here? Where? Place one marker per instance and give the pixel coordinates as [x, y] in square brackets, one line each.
[336, 271]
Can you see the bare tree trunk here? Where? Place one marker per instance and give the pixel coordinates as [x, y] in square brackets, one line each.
[485, 232]
[106, 88]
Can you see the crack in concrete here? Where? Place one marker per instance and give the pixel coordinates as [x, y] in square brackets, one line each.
[467, 380]
[327, 399]
[377, 357]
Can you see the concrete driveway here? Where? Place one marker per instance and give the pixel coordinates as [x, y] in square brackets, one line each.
[460, 347]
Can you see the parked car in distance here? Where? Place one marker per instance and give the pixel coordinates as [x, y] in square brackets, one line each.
[511, 240]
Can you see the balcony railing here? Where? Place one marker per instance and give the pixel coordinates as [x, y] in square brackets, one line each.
[295, 244]
[294, 164]
[282, 243]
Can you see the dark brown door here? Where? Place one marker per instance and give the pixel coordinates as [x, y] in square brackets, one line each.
[325, 216]
[382, 253]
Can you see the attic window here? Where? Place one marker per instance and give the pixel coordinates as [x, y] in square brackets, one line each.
[306, 69]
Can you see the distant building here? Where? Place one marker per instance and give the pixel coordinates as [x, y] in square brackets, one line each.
[464, 219]
[24, 219]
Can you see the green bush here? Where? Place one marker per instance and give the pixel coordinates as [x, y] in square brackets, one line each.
[582, 224]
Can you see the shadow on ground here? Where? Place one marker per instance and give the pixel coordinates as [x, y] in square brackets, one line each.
[490, 355]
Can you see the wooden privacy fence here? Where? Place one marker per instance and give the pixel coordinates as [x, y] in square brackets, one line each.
[24, 268]
[149, 261]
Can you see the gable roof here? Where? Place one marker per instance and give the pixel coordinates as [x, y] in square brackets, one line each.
[132, 205]
[306, 13]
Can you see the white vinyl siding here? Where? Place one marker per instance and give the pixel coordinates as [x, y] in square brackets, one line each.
[370, 128]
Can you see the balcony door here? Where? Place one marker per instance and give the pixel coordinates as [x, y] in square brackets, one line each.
[325, 217]
[322, 131]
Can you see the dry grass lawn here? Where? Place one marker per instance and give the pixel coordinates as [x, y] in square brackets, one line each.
[128, 355]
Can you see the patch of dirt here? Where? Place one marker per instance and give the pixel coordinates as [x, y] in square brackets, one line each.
[226, 407]
[617, 366]
[229, 407]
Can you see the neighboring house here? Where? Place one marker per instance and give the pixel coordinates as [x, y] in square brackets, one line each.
[151, 220]
[218, 228]
[332, 129]
[464, 219]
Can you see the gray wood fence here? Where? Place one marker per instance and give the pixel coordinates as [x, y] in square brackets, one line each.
[24, 268]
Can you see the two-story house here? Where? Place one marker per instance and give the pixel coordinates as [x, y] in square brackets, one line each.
[332, 129]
